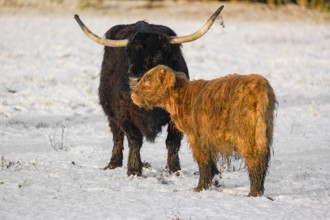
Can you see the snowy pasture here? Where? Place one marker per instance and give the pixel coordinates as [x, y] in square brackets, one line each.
[54, 137]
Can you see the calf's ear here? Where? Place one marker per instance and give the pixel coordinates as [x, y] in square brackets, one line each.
[167, 77]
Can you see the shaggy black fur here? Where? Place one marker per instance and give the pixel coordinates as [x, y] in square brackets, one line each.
[148, 46]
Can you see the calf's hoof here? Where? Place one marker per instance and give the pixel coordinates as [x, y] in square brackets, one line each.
[198, 189]
[202, 187]
[255, 194]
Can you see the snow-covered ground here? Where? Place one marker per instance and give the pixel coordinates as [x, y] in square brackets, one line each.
[54, 137]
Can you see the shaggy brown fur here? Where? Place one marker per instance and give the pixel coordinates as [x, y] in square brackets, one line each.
[231, 113]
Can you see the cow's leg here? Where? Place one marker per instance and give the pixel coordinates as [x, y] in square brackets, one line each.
[173, 143]
[135, 138]
[214, 169]
[118, 147]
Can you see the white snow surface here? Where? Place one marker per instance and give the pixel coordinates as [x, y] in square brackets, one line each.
[54, 137]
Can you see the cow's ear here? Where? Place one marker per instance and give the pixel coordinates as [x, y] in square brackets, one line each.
[181, 76]
[181, 79]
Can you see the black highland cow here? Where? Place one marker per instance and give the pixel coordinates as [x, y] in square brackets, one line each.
[131, 50]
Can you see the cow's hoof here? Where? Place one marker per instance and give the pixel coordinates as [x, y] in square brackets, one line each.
[112, 166]
[146, 164]
[174, 169]
[134, 173]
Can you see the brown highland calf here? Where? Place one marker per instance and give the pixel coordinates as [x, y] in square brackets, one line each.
[231, 113]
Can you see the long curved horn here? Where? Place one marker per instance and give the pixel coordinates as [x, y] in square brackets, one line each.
[100, 40]
[200, 32]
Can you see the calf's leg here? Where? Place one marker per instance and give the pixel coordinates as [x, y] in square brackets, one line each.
[257, 166]
[205, 176]
[205, 165]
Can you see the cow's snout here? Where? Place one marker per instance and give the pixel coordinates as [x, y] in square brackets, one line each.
[133, 81]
